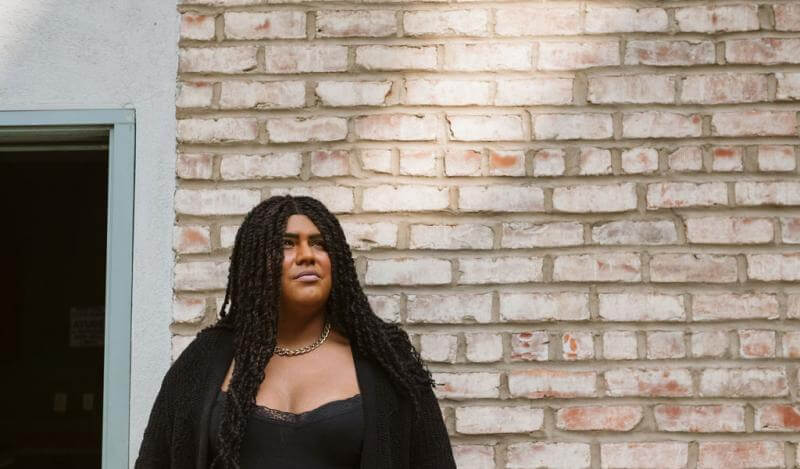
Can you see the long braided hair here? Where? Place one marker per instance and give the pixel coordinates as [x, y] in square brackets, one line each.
[253, 291]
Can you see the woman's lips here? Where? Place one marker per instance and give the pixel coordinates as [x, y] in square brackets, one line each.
[308, 278]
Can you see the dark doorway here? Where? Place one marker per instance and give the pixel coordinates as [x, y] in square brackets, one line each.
[52, 286]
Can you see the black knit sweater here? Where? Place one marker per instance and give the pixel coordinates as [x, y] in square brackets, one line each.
[394, 436]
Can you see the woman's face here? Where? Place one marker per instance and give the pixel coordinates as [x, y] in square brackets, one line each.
[306, 276]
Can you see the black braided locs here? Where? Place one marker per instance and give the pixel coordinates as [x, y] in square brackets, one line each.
[253, 296]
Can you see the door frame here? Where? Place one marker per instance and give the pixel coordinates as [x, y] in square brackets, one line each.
[121, 130]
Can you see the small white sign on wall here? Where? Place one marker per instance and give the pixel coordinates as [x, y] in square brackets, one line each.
[86, 326]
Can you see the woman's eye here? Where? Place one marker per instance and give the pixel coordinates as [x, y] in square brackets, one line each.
[288, 242]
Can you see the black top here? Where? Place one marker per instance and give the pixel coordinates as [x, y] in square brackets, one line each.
[395, 435]
[327, 437]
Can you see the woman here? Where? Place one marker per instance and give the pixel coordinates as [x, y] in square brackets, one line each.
[299, 372]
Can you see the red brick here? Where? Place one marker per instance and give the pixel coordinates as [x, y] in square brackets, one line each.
[699, 419]
[506, 162]
[602, 418]
[654, 382]
[740, 454]
[778, 418]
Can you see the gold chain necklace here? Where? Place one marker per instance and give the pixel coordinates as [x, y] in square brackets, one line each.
[285, 352]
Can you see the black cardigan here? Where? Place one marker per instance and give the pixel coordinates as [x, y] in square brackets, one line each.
[177, 431]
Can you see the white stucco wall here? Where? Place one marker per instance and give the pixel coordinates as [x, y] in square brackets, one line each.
[89, 54]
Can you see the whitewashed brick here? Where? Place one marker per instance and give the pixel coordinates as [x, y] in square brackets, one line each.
[201, 275]
[218, 59]
[386, 307]
[636, 232]
[500, 270]
[593, 161]
[560, 306]
[712, 18]
[572, 126]
[396, 57]
[224, 129]
[601, 198]
[302, 58]
[767, 193]
[407, 272]
[477, 420]
[665, 345]
[641, 307]
[712, 344]
[686, 159]
[529, 235]
[577, 55]
[467, 385]
[194, 166]
[620, 345]
[353, 93]
[419, 162]
[538, 21]
[446, 23]
[216, 201]
[462, 236]
[410, 198]
[486, 128]
[271, 165]
[188, 310]
[188, 239]
[284, 24]
[448, 92]
[197, 27]
[328, 163]
[625, 20]
[577, 345]
[450, 308]
[337, 199]
[776, 158]
[637, 88]
[734, 306]
[404, 127]
[262, 95]
[729, 230]
[549, 162]
[553, 455]
[311, 129]
[610, 267]
[534, 91]
[487, 57]
[366, 236]
[376, 160]
[484, 347]
[438, 347]
[658, 124]
[194, 94]
[356, 23]
[645, 455]
[686, 194]
[547, 383]
[651, 382]
[501, 198]
[506, 162]
[530, 346]
[639, 160]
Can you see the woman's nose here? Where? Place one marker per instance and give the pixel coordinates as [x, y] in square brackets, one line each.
[304, 251]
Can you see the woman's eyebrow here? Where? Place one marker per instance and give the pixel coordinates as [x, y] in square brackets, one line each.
[295, 235]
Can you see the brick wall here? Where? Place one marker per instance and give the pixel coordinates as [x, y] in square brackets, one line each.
[586, 214]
